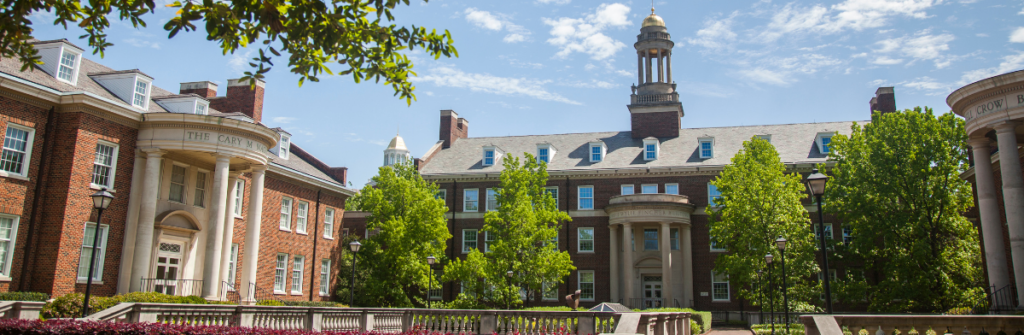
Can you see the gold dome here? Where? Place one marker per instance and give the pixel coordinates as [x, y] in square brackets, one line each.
[653, 20]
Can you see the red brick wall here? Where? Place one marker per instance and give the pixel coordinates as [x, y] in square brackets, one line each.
[660, 124]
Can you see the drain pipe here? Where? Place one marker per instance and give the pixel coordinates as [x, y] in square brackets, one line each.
[316, 237]
[27, 263]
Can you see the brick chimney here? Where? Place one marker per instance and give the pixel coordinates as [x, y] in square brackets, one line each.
[339, 174]
[452, 128]
[242, 99]
[204, 89]
[884, 100]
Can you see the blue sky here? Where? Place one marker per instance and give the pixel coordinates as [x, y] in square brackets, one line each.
[565, 66]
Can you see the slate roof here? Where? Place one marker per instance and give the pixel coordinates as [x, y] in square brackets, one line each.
[296, 163]
[795, 143]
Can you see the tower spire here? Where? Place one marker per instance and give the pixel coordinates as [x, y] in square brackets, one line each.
[652, 6]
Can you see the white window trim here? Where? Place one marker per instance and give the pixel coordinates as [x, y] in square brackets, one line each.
[302, 274]
[465, 199]
[487, 201]
[205, 105]
[657, 149]
[579, 199]
[288, 225]
[300, 216]
[233, 267]
[325, 278]
[283, 152]
[284, 276]
[728, 289]
[551, 152]
[488, 237]
[239, 197]
[29, 145]
[710, 197]
[820, 136]
[75, 69]
[713, 248]
[441, 194]
[767, 138]
[145, 98]
[206, 187]
[184, 183]
[113, 166]
[476, 239]
[548, 188]
[590, 151]
[579, 284]
[329, 224]
[542, 290]
[5, 272]
[344, 232]
[700, 147]
[483, 156]
[100, 257]
[579, 241]
[647, 185]
[623, 187]
[672, 184]
[828, 228]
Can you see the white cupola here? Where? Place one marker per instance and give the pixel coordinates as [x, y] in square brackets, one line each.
[396, 153]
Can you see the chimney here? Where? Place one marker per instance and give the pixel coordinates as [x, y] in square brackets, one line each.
[884, 100]
[452, 128]
[339, 174]
[242, 99]
[204, 89]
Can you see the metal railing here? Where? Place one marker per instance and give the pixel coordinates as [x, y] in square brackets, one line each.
[645, 303]
[906, 324]
[257, 294]
[178, 287]
[1003, 300]
[229, 293]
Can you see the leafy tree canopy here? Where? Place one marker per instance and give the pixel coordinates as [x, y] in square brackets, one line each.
[896, 182]
[354, 37]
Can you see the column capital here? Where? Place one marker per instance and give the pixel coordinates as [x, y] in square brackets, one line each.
[153, 152]
[234, 174]
[223, 157]
[258, 168]
[976, 142]
[1008, 126]
[627, 224]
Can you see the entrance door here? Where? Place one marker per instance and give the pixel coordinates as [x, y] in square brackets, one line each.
[168, 269]
[652, 292]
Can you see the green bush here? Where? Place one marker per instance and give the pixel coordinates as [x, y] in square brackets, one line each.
[550, 309]
[959, 311]
[694, 327]
[780, 328]
[313, 303]
[70, 305]
[24, 296]
[702, 318]
[269, 303]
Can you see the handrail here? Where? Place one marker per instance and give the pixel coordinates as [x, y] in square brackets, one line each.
[25, 310]
[119, 311]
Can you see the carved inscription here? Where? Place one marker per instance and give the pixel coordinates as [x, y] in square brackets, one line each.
[223, 139]
[1000, 104]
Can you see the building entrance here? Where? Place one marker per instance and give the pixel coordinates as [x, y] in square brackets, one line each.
[652, 292]
[168, 268]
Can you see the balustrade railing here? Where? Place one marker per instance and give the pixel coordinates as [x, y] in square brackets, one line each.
[26, 310]
[654, 98]
[653, 36]
[178, 287]
[908, 324]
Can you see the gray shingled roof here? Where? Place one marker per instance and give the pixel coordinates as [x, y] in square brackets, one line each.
[296, 163]
[795, 143]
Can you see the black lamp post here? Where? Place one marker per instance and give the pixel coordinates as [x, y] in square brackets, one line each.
[771, 297]
[354, 246]
[508, 305]
[816, 184]
[430, 280]
[760, 297]
[781, 243]
[100, 201]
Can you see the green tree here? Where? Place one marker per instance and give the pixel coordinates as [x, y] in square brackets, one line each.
[759, 203]
[354, 37]
[410, 225]
[896, 182]
[525, 230]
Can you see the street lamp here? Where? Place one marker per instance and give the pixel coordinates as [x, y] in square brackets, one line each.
[100, 201]
[430, 280]
[509, 275]
[354, 246]
[781, 243]
[760, 297]
[771, 298]
[816, 184]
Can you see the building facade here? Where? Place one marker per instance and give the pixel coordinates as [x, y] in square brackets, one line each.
[208, 200]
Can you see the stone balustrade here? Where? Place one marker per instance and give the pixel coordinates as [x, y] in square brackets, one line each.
[940, 324]
[654, 98]
[28, 310]
[484, 322]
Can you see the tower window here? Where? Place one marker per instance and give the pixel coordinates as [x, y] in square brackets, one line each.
[707, 147]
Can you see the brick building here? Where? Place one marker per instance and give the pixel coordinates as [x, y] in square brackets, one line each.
[199, 183]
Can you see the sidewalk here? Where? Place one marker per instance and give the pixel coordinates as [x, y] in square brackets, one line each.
[729, 331]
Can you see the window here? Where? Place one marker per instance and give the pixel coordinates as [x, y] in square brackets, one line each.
[490, 155]
[441, 194]
[279, 273]
[554, 242]
[285, 146]
[469, 237]
[300, 217]
[544, 153]
[767, 138]
[650, 239]
[650, 149]
[104, 166]
[177, 191]
[488, 238]
[553, 191]
[286, 214]
[707, 147]
[672, 189]
[344, 232]
[436, 290]
[329, 223]
[200, 109]
[586, 200]
[550, 291]
[297, 267]
[596, 152]
[239, 195]
[200, 189]
[586, 239]
[232, 263]
[673, 238]
[715, 245]
[8, 235]
[66, 70]
[713, 195]
[470, 200]
[325, 281]
[828, 232]
[824, 140]
[649, 188]
[101, 248]
[17, 150]
[847, 235]
[492, 200]
[627, 189]
[831, 278]
[586, 282]
[719, 287]
[141, 92]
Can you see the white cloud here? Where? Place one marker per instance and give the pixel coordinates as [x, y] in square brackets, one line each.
[885, 60]
[1017, 36]
[482, 82]
[622, 72]
[981, 35]
[593, 83]
[850, 14]
[585, 35]
[925, 84]
[239, 63]
[860, 55]
[486, 20]
[922, 46]
[284, 119]
[782, 71]
[716, 34]
[765, 76]
[142, 43]
[878, 83]
[1009, 63]
[557, 2]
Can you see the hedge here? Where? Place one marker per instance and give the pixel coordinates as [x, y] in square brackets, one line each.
[70, 305]
[24, 296]
[702, 318]
[73, 327]
[304, 303]
[780, 328]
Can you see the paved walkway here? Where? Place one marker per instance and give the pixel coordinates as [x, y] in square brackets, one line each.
[729, 331]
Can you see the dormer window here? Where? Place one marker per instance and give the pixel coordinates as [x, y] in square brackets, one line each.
[491, 155]
[767, 138]
[184, 104]
[651, 149]
[707, 147]
[132, 86]
[68, 64]
[141, 90]
[824, 141]
[60, 59]
[597, 151]
[286, 144]
[200, 109]
[544, 153]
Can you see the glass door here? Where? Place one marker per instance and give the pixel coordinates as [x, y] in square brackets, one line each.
[168, 269]
[652, 292]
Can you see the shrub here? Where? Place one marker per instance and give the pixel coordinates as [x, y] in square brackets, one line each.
[694, 327]
[70, 305]
[551, 309]
[269, 303]
[24, 296]
[780, 328]
[313, 303]
[959, 311]
[702, 318]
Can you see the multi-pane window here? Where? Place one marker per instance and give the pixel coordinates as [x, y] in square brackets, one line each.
[200, 197]
[232, 263]
[17, 149]
[140, 93]
[766, 138]
[469, 237]
[201, 109]
[586, 239]
[492, 200]
[713, 195]
[542, 155]
[650, 239]
[470, 200]
[673, 238]
[672, 189]
[436, 289]
[344, 232]
[719, 286]
[279, 272]
[489, 157]
[285, 146]
[649, 188]
[550, 291]
[103, 165]
[8, 234]
[596, 153]
[626, 189]
[586, 195]
[831, 278]
[828, 232]
[715, 245]
[847, 235]
[441, 194]
[85, 257]
[554, 243]
[586, 282]
[239, 196]
[286, 213]
[488, 238]
[825, 142]
[297, 265]
[329, 223]
[325, 272]
[177, 191]
[651, 152]
[66, 71]
[553, 191]
[300, 217]
[707, 148]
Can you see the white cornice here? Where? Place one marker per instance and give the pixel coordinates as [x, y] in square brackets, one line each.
[617, 173]
[52, 96]
[305, 178]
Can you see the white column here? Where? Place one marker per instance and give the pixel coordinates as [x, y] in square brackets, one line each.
[991, 222]
[647, 69]
[1013, 197]
[666, 264]
[147, 218]
[639, 68]
[252, 235]
[131, 227]
[668, 65]
[215, 239]
[661, 67]
[687, 245]
[627, 263]
[229, 230]
[613, 257]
